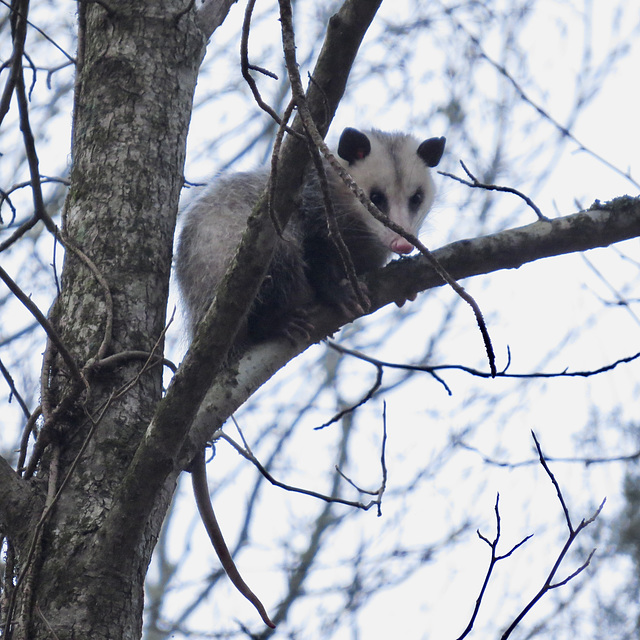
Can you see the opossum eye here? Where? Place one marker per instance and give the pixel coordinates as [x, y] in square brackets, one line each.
[379, 199]
[415, 201]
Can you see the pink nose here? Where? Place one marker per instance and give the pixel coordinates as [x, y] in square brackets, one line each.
[400, 245]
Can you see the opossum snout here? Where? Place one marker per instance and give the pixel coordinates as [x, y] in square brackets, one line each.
[401, 246]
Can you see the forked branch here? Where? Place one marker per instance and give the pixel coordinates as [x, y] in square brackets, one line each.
[550, 583]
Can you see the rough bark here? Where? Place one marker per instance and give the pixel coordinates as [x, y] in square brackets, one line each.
[137, 69]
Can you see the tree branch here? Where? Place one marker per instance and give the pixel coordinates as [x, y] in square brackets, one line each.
[155, 461]
[20, 504]
[601, 225]
[495, 558]
[573, 534]
[212, 13]
[612, 222]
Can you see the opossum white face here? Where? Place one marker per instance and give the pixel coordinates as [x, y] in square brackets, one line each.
[393, 170]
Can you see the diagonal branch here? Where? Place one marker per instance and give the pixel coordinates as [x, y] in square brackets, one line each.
[600, 226]
[495, 558]
[611, 223]
[155, 462]
[72, 365]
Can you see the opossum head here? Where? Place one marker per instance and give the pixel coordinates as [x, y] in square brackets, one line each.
[393, 170]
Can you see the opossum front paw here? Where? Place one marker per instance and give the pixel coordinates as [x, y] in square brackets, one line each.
[297, 327]
[294, 325]
[349, 302]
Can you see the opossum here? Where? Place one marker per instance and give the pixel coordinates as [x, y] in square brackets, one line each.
[391, 168]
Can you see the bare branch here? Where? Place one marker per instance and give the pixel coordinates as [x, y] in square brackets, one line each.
[573, 534]
[24, 440]
[15, 69]
[379, 492]
[504, 373]
[556, 486]
[495, 558]
[212, 13]
[374, 387]
[14, 391]
[246, 67]
[247, 454]
[475, 183]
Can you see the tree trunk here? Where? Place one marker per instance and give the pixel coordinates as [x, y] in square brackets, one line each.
[108, 452]
[137, 69]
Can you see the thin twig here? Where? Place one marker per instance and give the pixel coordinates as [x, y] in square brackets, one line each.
[315, 144]
[29, 145]
[19, 34]
[151, 361]
[475, 183]
[432, 369]
[46, 325]
[275, 157]
[118, 358]
[379, 492]
[245, 67]
[367, 396]
[495, 558]
[556, 486]
[14, 391]
[376, 362]
[24, 439]
[246, 453]
[47, 624]
[573, 534]
[335, 233]
[19, 232]
[5, 196]
[383, 459]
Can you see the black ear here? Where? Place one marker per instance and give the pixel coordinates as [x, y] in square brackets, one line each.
[354, 145]
[431, 151]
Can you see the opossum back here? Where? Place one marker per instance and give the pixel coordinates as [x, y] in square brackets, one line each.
[212, 227]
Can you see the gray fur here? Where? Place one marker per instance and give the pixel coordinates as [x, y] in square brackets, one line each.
[212, 229]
